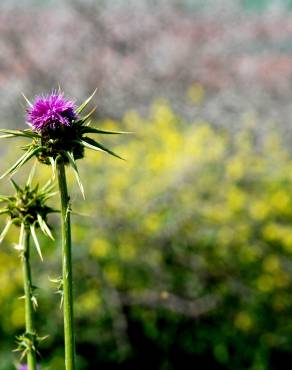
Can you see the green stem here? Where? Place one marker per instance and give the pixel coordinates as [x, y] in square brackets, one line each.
[67, 268]
[28, 290]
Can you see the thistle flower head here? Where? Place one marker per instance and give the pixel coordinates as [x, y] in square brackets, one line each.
[50, 112]
[59, 131]
[28, 209]
[27, 205]
[25, 367]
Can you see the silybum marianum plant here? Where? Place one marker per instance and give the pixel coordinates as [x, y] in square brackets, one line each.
[27, 209]
[59, 134]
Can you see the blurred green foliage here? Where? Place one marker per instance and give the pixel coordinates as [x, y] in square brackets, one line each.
[182, 254]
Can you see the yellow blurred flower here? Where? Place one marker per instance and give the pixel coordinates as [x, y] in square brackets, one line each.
[259, 209]
[243, 321]
[265, 283]
[271, 263]
[99, 247]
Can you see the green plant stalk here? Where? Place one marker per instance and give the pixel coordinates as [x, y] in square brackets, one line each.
[28, 289]
[67, 268]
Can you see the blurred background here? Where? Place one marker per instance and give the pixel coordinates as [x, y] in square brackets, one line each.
[183, 253]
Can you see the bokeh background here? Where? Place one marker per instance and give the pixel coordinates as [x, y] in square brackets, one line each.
[183, 253]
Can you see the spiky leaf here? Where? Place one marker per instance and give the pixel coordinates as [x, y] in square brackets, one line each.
[34, 236]
[84, 104]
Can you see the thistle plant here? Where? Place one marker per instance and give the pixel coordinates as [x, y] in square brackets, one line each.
[27, 210]
[59, 134]
[25, 367]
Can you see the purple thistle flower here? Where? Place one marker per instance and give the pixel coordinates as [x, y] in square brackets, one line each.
[25, 367]
[51, 111]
